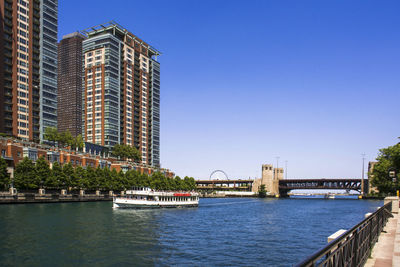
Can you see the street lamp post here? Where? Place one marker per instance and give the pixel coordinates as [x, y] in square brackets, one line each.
[285, 169]
[362, 174]
[392, 175]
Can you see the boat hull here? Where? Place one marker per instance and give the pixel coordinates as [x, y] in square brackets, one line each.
[133, 204]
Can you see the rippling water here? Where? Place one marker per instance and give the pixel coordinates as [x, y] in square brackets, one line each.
[220, 232]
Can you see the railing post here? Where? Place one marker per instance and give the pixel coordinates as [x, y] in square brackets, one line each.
[355, 249]
[371, 232]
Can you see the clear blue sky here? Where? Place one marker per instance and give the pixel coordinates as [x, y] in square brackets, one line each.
[313, 82]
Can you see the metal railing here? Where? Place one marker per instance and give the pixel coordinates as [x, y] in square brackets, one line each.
[354, 246]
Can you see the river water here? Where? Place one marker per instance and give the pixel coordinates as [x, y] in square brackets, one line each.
[220, 232]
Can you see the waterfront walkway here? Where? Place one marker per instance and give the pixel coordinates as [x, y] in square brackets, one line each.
[386, 251]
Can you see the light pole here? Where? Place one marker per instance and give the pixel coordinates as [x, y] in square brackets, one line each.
[362, 174]
[392, 175]
[276, 176]
[285, 169]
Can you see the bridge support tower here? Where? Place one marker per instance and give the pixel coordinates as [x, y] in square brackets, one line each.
[270, 178]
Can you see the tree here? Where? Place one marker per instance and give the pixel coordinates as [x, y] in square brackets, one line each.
[57, 178]
[42, 171]
[69, 174]
[126, 152]
[4, 175]
[91, 178]
[66, 139]
[116, 183]
[51, 134]
[101, 183]
[79, 144]
[261, 191]
[189, 183]
[388, 160]
[81, 178]
[25, 175]
[52, 181]
[178, 183]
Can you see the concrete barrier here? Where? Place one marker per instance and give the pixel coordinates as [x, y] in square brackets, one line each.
[336, 235]
[395, 203]
[13, 191]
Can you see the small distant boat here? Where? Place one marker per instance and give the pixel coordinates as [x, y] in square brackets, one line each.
[330, 196]
[144, 197]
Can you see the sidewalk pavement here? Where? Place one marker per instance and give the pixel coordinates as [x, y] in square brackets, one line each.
[386, 252]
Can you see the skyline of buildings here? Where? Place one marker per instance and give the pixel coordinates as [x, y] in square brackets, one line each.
[103, 83]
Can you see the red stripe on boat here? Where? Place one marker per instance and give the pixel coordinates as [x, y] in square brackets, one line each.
[181, 195]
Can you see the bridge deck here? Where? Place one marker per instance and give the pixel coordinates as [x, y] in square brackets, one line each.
[224, 181]
[291, 184]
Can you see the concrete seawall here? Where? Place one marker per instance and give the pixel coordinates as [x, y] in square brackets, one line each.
[23, 198]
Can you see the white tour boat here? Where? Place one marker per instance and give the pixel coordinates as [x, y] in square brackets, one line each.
[144, 197]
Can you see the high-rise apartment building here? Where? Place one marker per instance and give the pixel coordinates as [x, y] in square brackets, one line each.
[70, 84]
[48, 64]
[28, 34]
[121, 91]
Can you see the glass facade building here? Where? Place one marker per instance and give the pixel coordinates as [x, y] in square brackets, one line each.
[48, 64]
[28, 67]
[121, 99]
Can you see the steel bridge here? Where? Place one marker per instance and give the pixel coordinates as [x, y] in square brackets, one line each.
[346, 184]
[237, 184]
[286, 185]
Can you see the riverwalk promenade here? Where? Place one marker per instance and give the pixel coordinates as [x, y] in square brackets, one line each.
[386, 251]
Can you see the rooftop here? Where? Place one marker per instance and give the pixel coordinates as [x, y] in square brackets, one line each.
[117, 30]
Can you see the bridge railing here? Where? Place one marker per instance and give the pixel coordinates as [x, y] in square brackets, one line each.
[354, 246]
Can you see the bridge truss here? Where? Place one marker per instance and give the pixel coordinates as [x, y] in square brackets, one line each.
[346, 184]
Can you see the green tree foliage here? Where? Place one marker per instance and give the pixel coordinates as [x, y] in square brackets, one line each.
[64, 139]
[51, 134]
[388, 160]
[42, 172]
[261, 191]
[78, 142]
[126, 152]
[57, 178]
[82, 180]
[4, 175]
[31, 176]
[91, 175]
[69, 174]
[25, 175]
